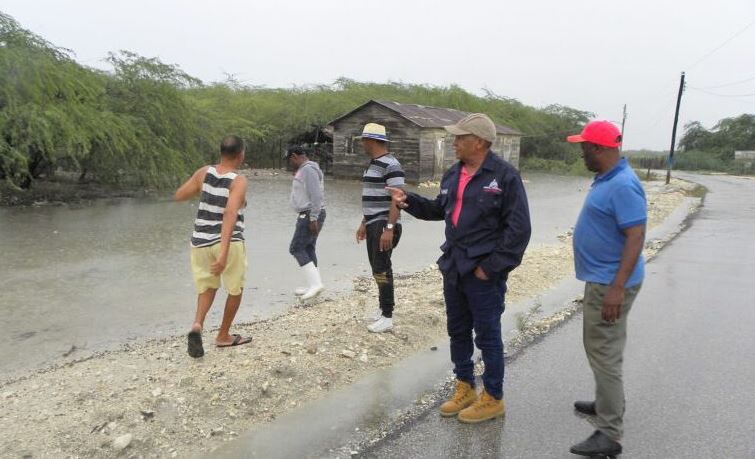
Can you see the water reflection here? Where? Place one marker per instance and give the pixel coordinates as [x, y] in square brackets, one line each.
[97, 275]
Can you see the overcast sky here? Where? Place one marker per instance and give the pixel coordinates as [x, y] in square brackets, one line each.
[593, 55]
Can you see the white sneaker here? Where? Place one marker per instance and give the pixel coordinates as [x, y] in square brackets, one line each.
[383, 324]
[372, 316]
[299, 291]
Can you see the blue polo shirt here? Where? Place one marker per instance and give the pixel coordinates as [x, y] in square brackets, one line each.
[615, 202]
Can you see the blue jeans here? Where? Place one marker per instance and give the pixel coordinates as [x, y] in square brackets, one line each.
[474, 304]
[304, 242]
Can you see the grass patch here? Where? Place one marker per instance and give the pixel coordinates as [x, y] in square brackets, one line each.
[522, 320]
[698, 191]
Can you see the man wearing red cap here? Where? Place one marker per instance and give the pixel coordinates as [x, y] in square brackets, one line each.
[608, 241]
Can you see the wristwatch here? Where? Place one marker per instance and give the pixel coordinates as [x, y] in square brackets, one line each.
[389, 226]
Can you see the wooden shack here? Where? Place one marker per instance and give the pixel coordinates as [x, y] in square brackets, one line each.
[417, 137]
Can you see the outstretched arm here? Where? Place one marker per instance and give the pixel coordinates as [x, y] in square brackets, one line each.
[191, 187]
[418, 206]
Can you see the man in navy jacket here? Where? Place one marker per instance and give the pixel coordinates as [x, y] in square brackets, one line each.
[484, 205]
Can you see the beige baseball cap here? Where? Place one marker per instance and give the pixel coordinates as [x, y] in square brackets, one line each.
[478, 124]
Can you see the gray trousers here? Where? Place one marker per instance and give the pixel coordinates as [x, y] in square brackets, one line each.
[604, 344]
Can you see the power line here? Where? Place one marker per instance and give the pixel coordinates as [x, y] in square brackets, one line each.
[733, 83]
[722, 95]
[726, 42]
[658, 114]
[729, 97]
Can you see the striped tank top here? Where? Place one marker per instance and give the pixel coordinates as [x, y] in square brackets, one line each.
[215, 192]
[376, 201]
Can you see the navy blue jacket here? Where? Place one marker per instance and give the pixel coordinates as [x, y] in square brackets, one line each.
[494, 226]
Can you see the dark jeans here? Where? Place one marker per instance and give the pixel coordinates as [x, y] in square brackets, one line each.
[474, 304]
[303, 243]
[382, 269]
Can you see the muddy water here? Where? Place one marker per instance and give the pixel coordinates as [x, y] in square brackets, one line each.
[74, 280]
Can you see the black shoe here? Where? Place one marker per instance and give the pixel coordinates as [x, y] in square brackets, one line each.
[597, 445]
[587, 408]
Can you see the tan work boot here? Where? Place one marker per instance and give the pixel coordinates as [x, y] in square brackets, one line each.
[464, 395]
[486, 407]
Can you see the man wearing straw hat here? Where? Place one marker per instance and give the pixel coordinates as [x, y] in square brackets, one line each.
[380, 225]
[484, 205]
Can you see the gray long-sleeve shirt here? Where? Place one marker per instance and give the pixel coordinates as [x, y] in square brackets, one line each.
[308, 190]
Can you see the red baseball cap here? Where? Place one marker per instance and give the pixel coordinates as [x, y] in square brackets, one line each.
[603, 133]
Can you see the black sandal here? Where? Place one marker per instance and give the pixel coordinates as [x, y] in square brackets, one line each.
[237, 341]
[195, 344]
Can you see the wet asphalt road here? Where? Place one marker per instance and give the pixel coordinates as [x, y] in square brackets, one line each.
[689, 365]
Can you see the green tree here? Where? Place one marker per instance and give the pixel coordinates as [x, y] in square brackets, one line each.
[148, 123]
[727, 136]
[47, 102]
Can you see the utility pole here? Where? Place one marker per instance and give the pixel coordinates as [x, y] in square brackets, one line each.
[670, 162]
[623, 121]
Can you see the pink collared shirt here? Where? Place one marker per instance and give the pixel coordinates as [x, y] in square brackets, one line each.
[464, 178]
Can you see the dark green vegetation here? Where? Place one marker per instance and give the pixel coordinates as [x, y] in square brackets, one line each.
[702, 149]
[149, 124]
[133, 127]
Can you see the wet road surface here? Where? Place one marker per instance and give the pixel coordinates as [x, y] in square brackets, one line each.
[380, 403]
[689, 365]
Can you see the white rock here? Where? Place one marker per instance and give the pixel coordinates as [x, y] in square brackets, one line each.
[265, 387]
[157, 392]
[122, 442]
[348, 354]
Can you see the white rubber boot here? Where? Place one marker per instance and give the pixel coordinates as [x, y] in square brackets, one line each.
[314, 281]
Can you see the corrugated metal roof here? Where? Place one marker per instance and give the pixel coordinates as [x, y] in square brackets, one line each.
[426, 116]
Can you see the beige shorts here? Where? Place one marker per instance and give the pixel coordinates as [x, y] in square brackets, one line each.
[232, 277]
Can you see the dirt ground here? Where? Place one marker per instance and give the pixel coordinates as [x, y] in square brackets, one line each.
[152, 400]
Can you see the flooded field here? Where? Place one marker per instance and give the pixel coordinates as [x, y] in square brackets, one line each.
[74, 280]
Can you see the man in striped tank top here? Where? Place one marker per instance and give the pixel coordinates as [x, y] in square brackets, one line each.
[217, 243]
[380, 226]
